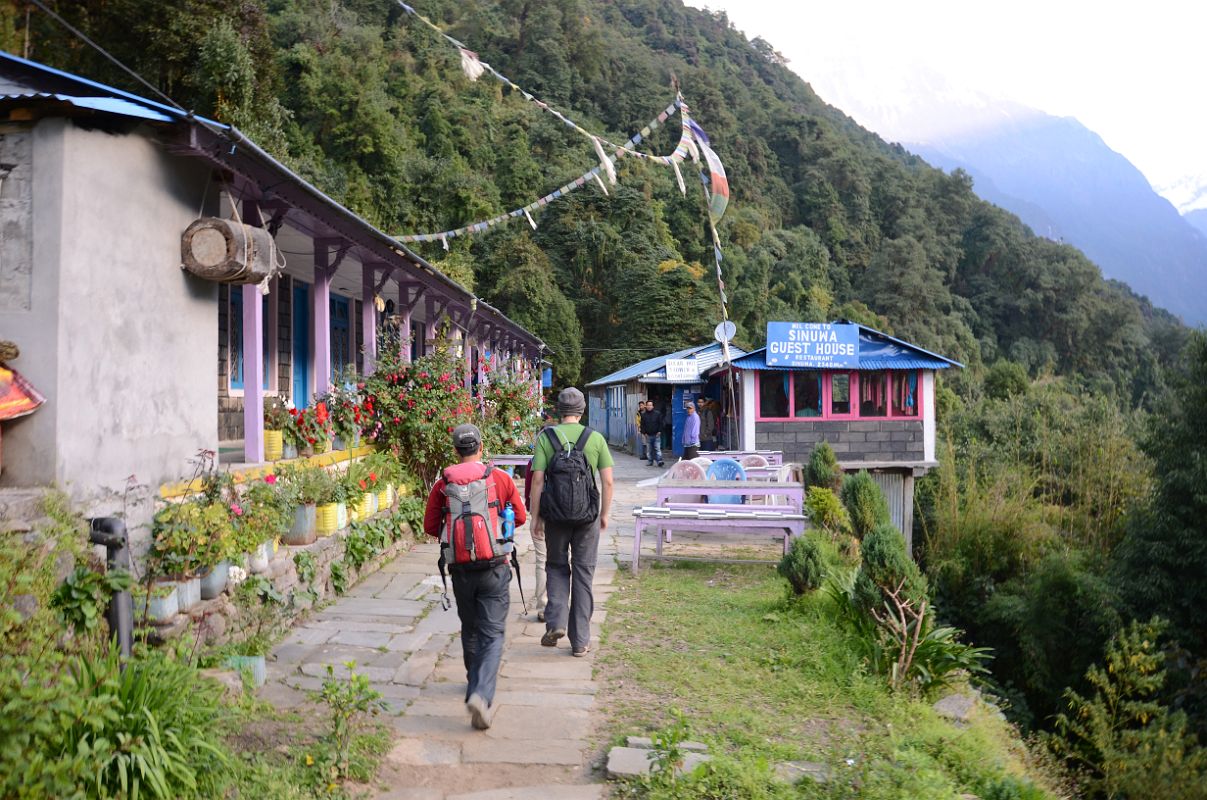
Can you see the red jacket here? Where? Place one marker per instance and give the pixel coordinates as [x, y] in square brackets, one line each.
[472, 470]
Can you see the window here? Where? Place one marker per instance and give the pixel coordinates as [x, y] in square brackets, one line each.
[873, 394]
[804, 394]
[905, 394]
[840, 394]
[773, 393]
[235, 344]
[341, 335]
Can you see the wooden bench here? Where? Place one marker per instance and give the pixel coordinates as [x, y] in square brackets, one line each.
[702, 518]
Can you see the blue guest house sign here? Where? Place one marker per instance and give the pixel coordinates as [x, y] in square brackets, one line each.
[812, 345]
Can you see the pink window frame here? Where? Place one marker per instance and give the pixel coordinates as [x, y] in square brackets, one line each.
[827, 397]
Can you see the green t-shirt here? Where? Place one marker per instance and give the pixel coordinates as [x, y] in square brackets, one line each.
[596, 450]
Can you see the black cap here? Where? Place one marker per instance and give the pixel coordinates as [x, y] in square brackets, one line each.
[467, 437]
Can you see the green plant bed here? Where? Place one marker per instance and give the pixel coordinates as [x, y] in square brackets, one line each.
[763, 678]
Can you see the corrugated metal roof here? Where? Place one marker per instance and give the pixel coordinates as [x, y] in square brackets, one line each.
[111, 105]
[876, 351]
[707, 356]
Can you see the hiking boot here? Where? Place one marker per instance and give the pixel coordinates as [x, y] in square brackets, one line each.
[550, 638]
[579, 652]
[661, 464]
[480, 713]
[540, 616]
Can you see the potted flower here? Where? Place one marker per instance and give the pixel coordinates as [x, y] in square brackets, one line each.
[188, 537]
[276, 421]
[215, 546]
[342, 403]
[313, 427]
[388, 470]
[326, 510]
[256, 601]
[306, 485]
[343, 492]
[263, 515]
[364, 480]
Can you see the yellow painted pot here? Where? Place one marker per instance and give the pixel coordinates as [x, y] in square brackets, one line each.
[326, 518]
[383, 498]
[364, 506]
[274, 445]
[323, 447]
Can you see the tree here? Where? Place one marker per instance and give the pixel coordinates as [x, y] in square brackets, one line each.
[1163, 557]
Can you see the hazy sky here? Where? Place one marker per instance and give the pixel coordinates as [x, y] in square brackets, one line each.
[1135, 73]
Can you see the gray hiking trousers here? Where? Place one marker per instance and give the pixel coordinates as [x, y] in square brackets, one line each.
[569, 571]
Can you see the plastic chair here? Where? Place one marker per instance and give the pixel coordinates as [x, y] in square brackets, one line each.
[755, 460]
[687, 471]
[726, 469]
[704, 463]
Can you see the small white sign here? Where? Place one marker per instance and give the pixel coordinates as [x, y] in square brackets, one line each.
[682, 369]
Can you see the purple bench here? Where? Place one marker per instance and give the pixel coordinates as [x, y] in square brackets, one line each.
[774, 457]
[703, 518]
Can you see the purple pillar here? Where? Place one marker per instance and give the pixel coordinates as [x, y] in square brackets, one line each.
[404, 320]
[429, 324]
[368, 316]
[467, 346]
[253, 361]
[320, 312]
[253, 373]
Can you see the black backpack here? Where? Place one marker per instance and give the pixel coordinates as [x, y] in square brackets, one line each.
[570, 496]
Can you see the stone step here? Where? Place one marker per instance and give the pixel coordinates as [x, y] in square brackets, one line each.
[21, 509]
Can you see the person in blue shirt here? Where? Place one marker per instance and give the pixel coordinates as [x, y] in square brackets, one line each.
[691, 433]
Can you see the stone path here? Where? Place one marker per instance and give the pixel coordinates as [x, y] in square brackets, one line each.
[392, 626]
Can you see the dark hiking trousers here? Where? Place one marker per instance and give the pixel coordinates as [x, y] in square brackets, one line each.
[569, 570]
[483, 599]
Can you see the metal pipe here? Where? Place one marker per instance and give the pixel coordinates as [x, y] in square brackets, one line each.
[111, 532]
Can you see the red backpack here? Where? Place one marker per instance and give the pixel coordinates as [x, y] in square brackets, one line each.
[470, 533]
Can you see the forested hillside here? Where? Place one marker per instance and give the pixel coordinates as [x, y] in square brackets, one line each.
[827, 220]
[1064, 508]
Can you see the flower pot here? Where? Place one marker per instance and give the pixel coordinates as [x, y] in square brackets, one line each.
[326, 518]
[214, 581]
[322, 447]
[341, 512]
[289, 450]
[383, 498]
[274, 445]
[254, 664]
[365, 505]
[162, 609]
[259, 558]
[188, 592]
[303, 529]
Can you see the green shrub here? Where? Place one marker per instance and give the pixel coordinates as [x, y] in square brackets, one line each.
[82, 598]
[803, 566]
[822, 469]
[865, 503]
[827, 512]
[885, 568]
[156, 736]
[1005, 379]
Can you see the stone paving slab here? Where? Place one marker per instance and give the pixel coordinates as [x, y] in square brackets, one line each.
[336, 623]
[362, 639]
[544, 792]
[424, 752]
[486, 750]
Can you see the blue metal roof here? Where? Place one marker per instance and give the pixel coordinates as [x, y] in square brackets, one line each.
[876, 351]
[111, 105]
[654, 369]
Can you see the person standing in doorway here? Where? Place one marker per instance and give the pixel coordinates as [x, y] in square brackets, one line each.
[640, 437]
[651, 429]
[482, 588]
[691, 433]
[569, 458]
[708, 424]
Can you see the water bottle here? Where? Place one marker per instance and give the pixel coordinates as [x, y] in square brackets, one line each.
[508, 528]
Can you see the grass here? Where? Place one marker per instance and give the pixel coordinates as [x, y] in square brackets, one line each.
[764, 678]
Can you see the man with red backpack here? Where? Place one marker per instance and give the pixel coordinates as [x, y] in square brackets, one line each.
[465, 510]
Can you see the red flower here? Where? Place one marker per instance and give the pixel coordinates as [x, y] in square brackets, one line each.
[270, 478]
[373, 476]
[362, 485]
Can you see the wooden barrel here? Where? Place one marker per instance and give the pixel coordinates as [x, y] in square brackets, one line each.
[226, 251]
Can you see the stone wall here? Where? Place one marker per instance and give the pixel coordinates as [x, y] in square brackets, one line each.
[853, 440]
[213, 621]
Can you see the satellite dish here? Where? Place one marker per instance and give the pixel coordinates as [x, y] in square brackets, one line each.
[725, 331]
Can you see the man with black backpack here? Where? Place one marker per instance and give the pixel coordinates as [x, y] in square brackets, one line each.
[570, 467]
[465, 510]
